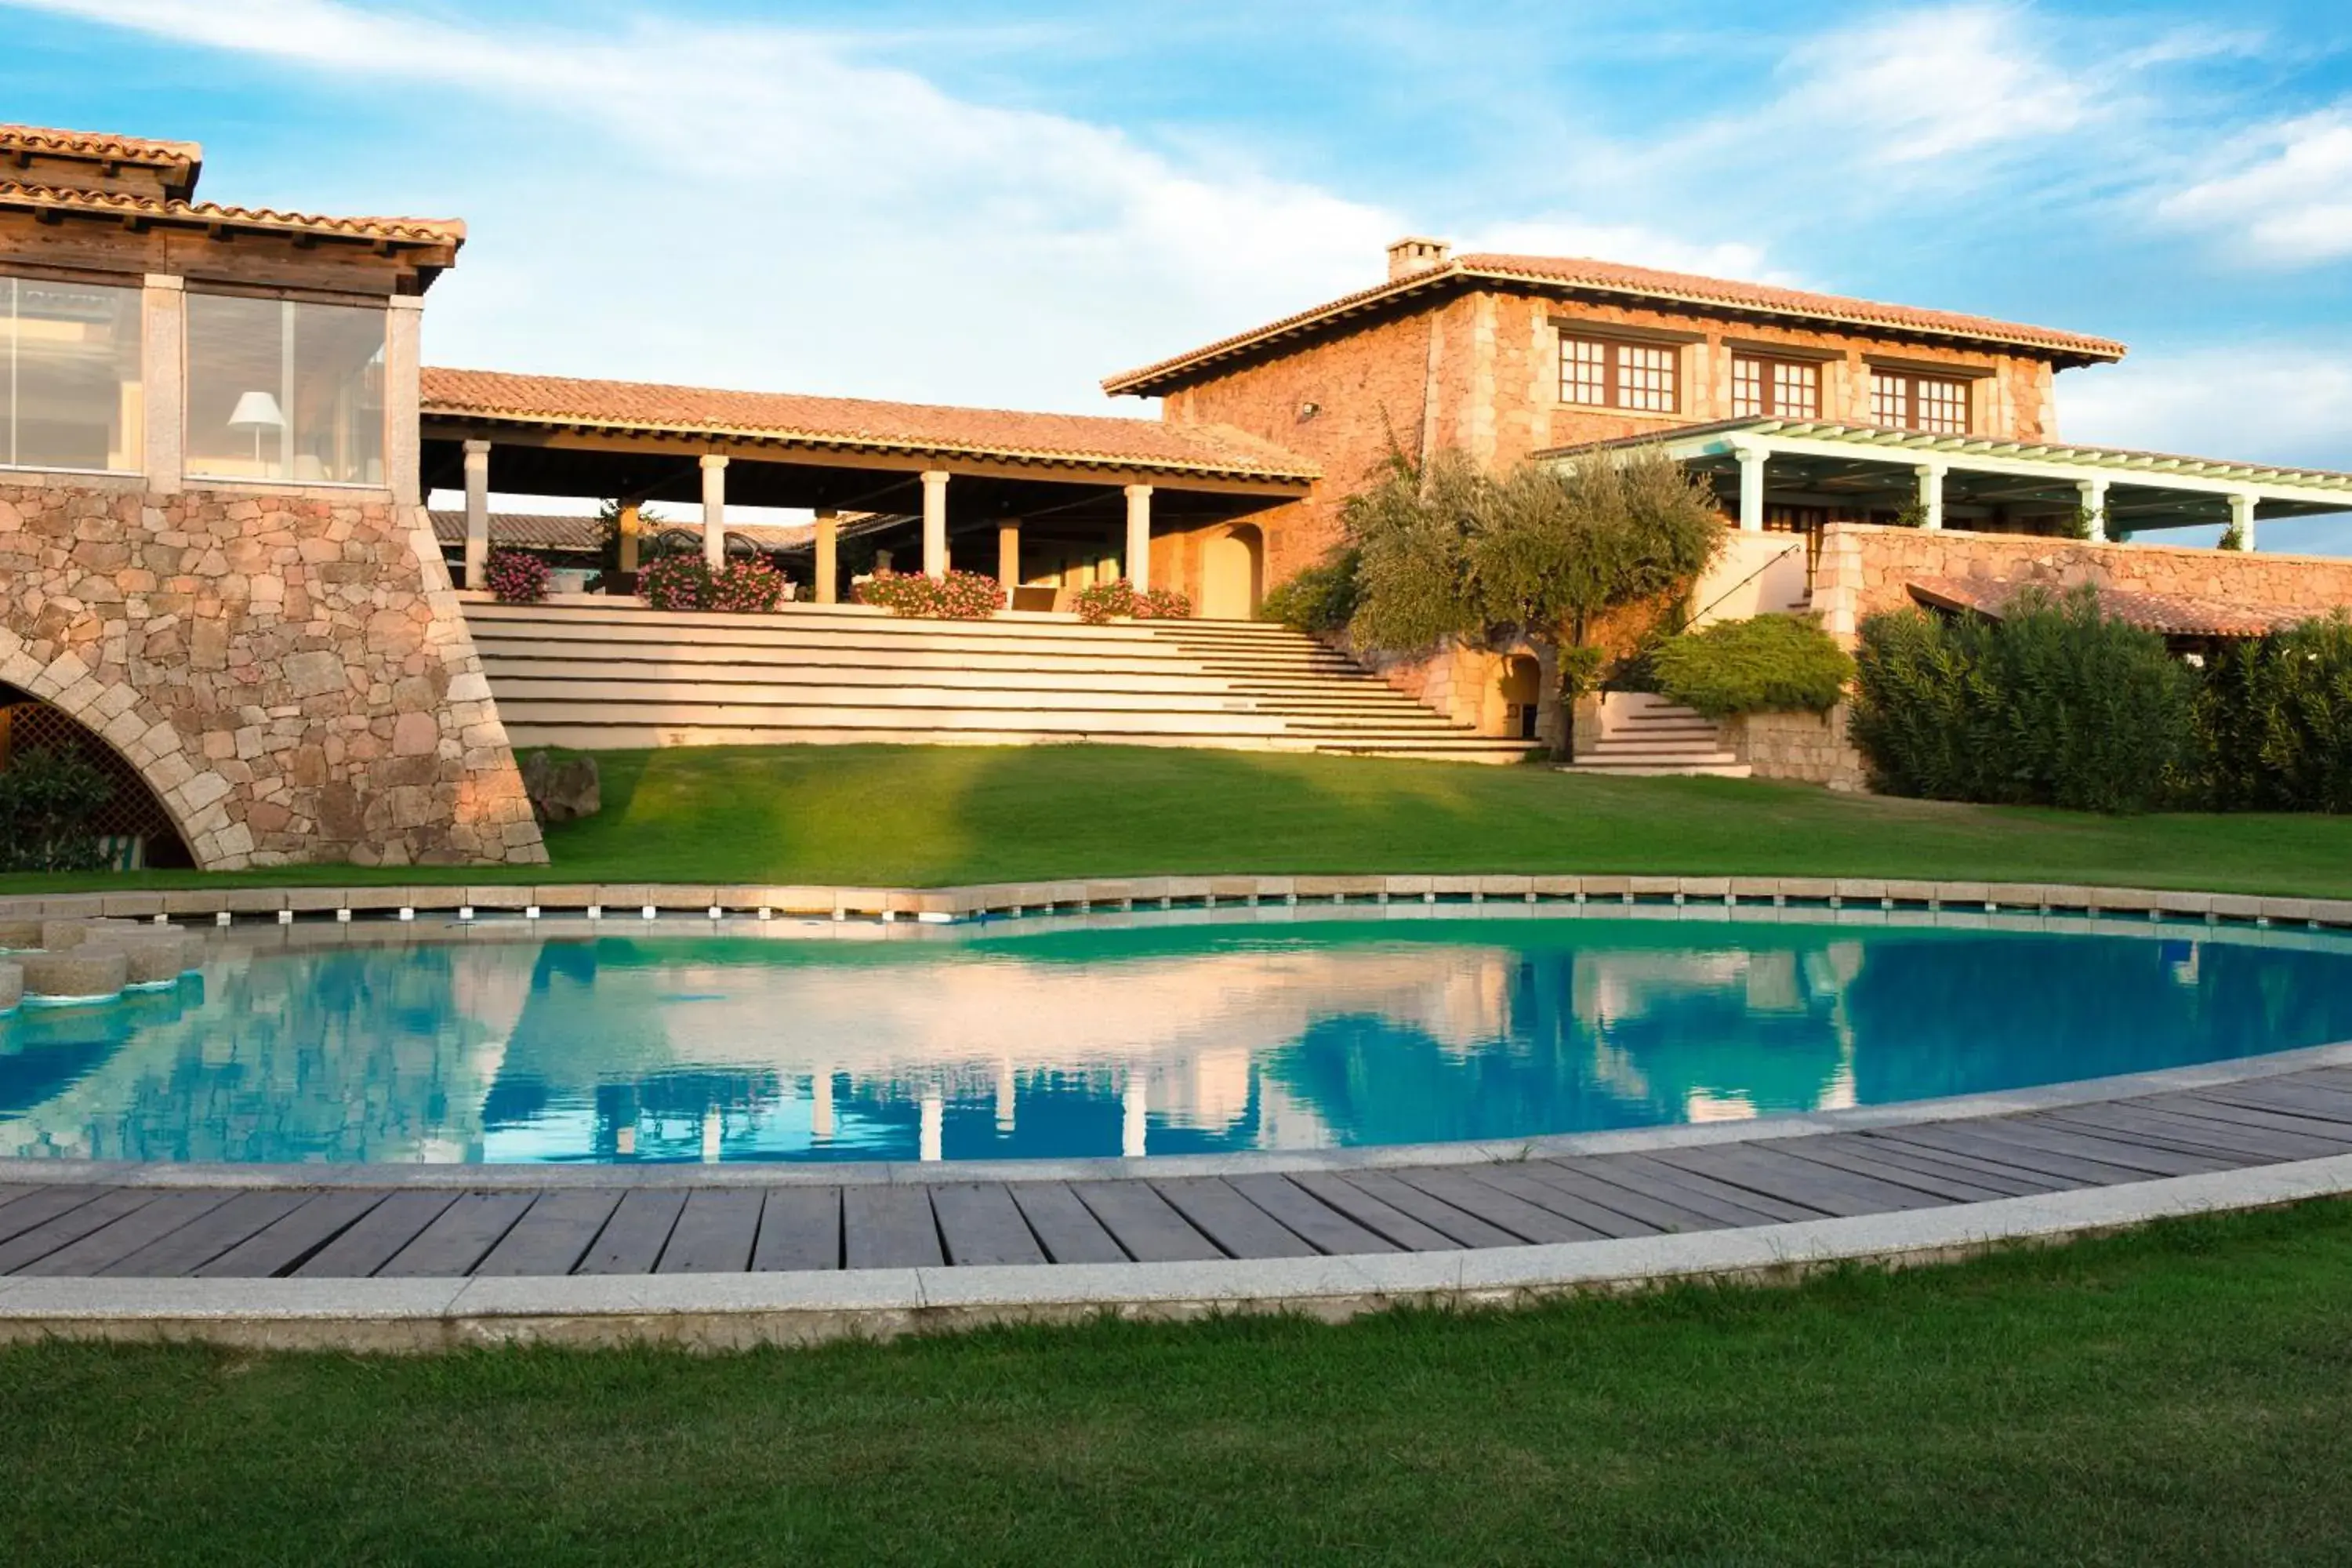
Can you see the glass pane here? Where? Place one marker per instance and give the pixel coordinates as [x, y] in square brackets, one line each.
[1796, 391]
[1889, 399]
[1943, 405]
[1583, 371]
[283, 391]
[1646, 378]
[69, 389]
[1747, 387]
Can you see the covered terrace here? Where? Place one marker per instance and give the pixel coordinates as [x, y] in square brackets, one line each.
[1027, 498]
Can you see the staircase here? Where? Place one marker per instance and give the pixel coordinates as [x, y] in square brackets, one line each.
[1642, 735]
[603, 675]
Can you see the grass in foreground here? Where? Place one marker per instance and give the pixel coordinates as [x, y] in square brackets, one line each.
[2183, 1394]
[928, 815]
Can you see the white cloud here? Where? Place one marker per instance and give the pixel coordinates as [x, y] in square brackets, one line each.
[2278, 403]
[1631, 242]
[2284, 194]
[1930, 84]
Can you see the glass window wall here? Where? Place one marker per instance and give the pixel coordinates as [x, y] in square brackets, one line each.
[285, 391]
[69, 389]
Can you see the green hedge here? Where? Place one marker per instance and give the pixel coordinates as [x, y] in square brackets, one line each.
[2274, 721]
[1320, 600]
[1765, 664]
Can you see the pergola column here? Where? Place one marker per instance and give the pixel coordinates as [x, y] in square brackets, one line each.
[1008, 555]
[630, 524]
[714, 510]
[162, 379]
[1139, 537]
[1931, 494]
[2094, 508]
[1751, 488]
[935, 523]
[478, 514]
[2241, 517]
[828, 555]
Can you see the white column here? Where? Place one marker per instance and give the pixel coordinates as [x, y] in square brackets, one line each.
[2095, 507]
[1139, 537]
[478, 514]
[402, 393]
[714, 510]
[162, 380]
[1751, 488]
[2241, 517]
[828, 555]
[1008, 555]
[1931, 494]
[935, 523]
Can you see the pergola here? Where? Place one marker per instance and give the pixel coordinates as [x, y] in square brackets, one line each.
[1858, 471]
[966, 474]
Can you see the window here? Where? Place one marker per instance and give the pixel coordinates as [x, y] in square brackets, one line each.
[285, 391]
[70, 388]
[1776, 388]
[1932, 403]
[1604, 373]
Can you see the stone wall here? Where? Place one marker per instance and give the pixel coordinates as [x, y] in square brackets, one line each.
[1465, 684]
[291, 673]
[1865, 568]
[1809, 748]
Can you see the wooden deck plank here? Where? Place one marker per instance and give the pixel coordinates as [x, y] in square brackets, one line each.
[1577, 1177]
[1142, 1223]
[1805, 1182]
[1527, 1222]
[800, 1231]
[369, 1242]
[1664, 1186]
[111, 1243]
[1236, 1225]
[979, 1224]
[1949, 1135]
[11, 1193]
[553, 1234]
[1839, 1154]
[1307, 1217]
[1374, 1214]
[280, 1246]
[2299, 1094]
[715, 1233]
[633, 1239]
[2240, 1144]
[1668, 1181]
[460, 1236]
[889, 1227]
[38, 1208]
[1067, 1229]
[2016, 1180]
[192, 1245]
[1518, 1180]
[2216, 1109]
[2126, 1150]
[1466, 1228]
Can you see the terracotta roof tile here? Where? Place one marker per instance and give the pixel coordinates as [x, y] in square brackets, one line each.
[919, 427]
[1637, 283]
[2174, 614]
[119, 204]
[43, 139]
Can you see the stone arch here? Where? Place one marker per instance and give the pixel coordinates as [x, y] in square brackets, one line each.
[29, 716]
[1233, 573]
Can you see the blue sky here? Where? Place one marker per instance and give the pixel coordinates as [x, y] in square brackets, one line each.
[1002, 204]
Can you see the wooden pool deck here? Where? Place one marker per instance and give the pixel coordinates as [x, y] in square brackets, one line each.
[722, 1223]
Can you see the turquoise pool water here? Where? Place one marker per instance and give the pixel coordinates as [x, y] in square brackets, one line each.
[1151, 1039]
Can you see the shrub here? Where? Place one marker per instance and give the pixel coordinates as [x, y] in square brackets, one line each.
[1105, 600]
[747, 587]
[49, 801]
[1318, 601]
[2055, 704]
[676, 583]
[1163, 605]
[958, 596]
[2274, 721]
[1766, 664]
[517, 577]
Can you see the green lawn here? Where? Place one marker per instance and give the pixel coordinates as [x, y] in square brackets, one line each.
[2183, 1395]
[930, 815]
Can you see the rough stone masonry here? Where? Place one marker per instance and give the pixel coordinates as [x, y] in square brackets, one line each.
[291, 673]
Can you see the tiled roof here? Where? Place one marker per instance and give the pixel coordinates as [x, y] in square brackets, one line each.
[180, 160]
[585, 535]
[1638, 285]
[207, 215]
[2174, 614]
[1143, 445]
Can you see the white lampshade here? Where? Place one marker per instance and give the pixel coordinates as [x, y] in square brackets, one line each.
[257, 411]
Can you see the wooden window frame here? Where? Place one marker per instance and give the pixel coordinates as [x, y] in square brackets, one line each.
[1910, 416]
[1766, 387]
[1614, 370]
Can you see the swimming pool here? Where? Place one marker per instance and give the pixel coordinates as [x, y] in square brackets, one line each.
[1119, 1036]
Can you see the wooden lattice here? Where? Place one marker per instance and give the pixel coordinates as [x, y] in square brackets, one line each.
[131, 815]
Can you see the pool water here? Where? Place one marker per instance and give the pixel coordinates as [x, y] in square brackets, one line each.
[1143, 1038]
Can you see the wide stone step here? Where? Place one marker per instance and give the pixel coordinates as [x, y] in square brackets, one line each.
[526, 712]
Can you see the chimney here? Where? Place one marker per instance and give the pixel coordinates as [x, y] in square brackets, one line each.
[1413, 254]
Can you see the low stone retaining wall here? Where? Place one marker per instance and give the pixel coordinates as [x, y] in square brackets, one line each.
[1808, 747]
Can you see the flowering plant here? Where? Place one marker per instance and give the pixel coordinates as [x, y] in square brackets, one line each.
[958, 596]
[516, 578]
[676, 583]
[1105, 600]
[748, 587]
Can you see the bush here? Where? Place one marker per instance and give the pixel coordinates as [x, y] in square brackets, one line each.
[1318, 601]
[748, 587]
[49, 801]
[516, 577]
[1767, 664]
[2055, 704]
[2274, 721]
[958, 596]
[1105, 600]
[676, 583]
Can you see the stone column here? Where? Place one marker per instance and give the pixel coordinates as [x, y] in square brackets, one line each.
[1751, 488]
[935, 523]
[1008, 555]
[1931, 494]
[478, 515]
[828, 555]
[2095, 507]
[1139, 537]
[630, 523]
[162, 380]
[714, 511]
[2241, 517]
[404, 314]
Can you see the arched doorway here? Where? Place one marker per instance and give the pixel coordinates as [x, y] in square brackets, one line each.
[1233, 574]
[1521, 689]
[136, 829]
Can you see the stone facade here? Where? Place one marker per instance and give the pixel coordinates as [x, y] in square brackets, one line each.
[1474, 686]
[1808, 747]
[1865, 568]
[289, 673]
